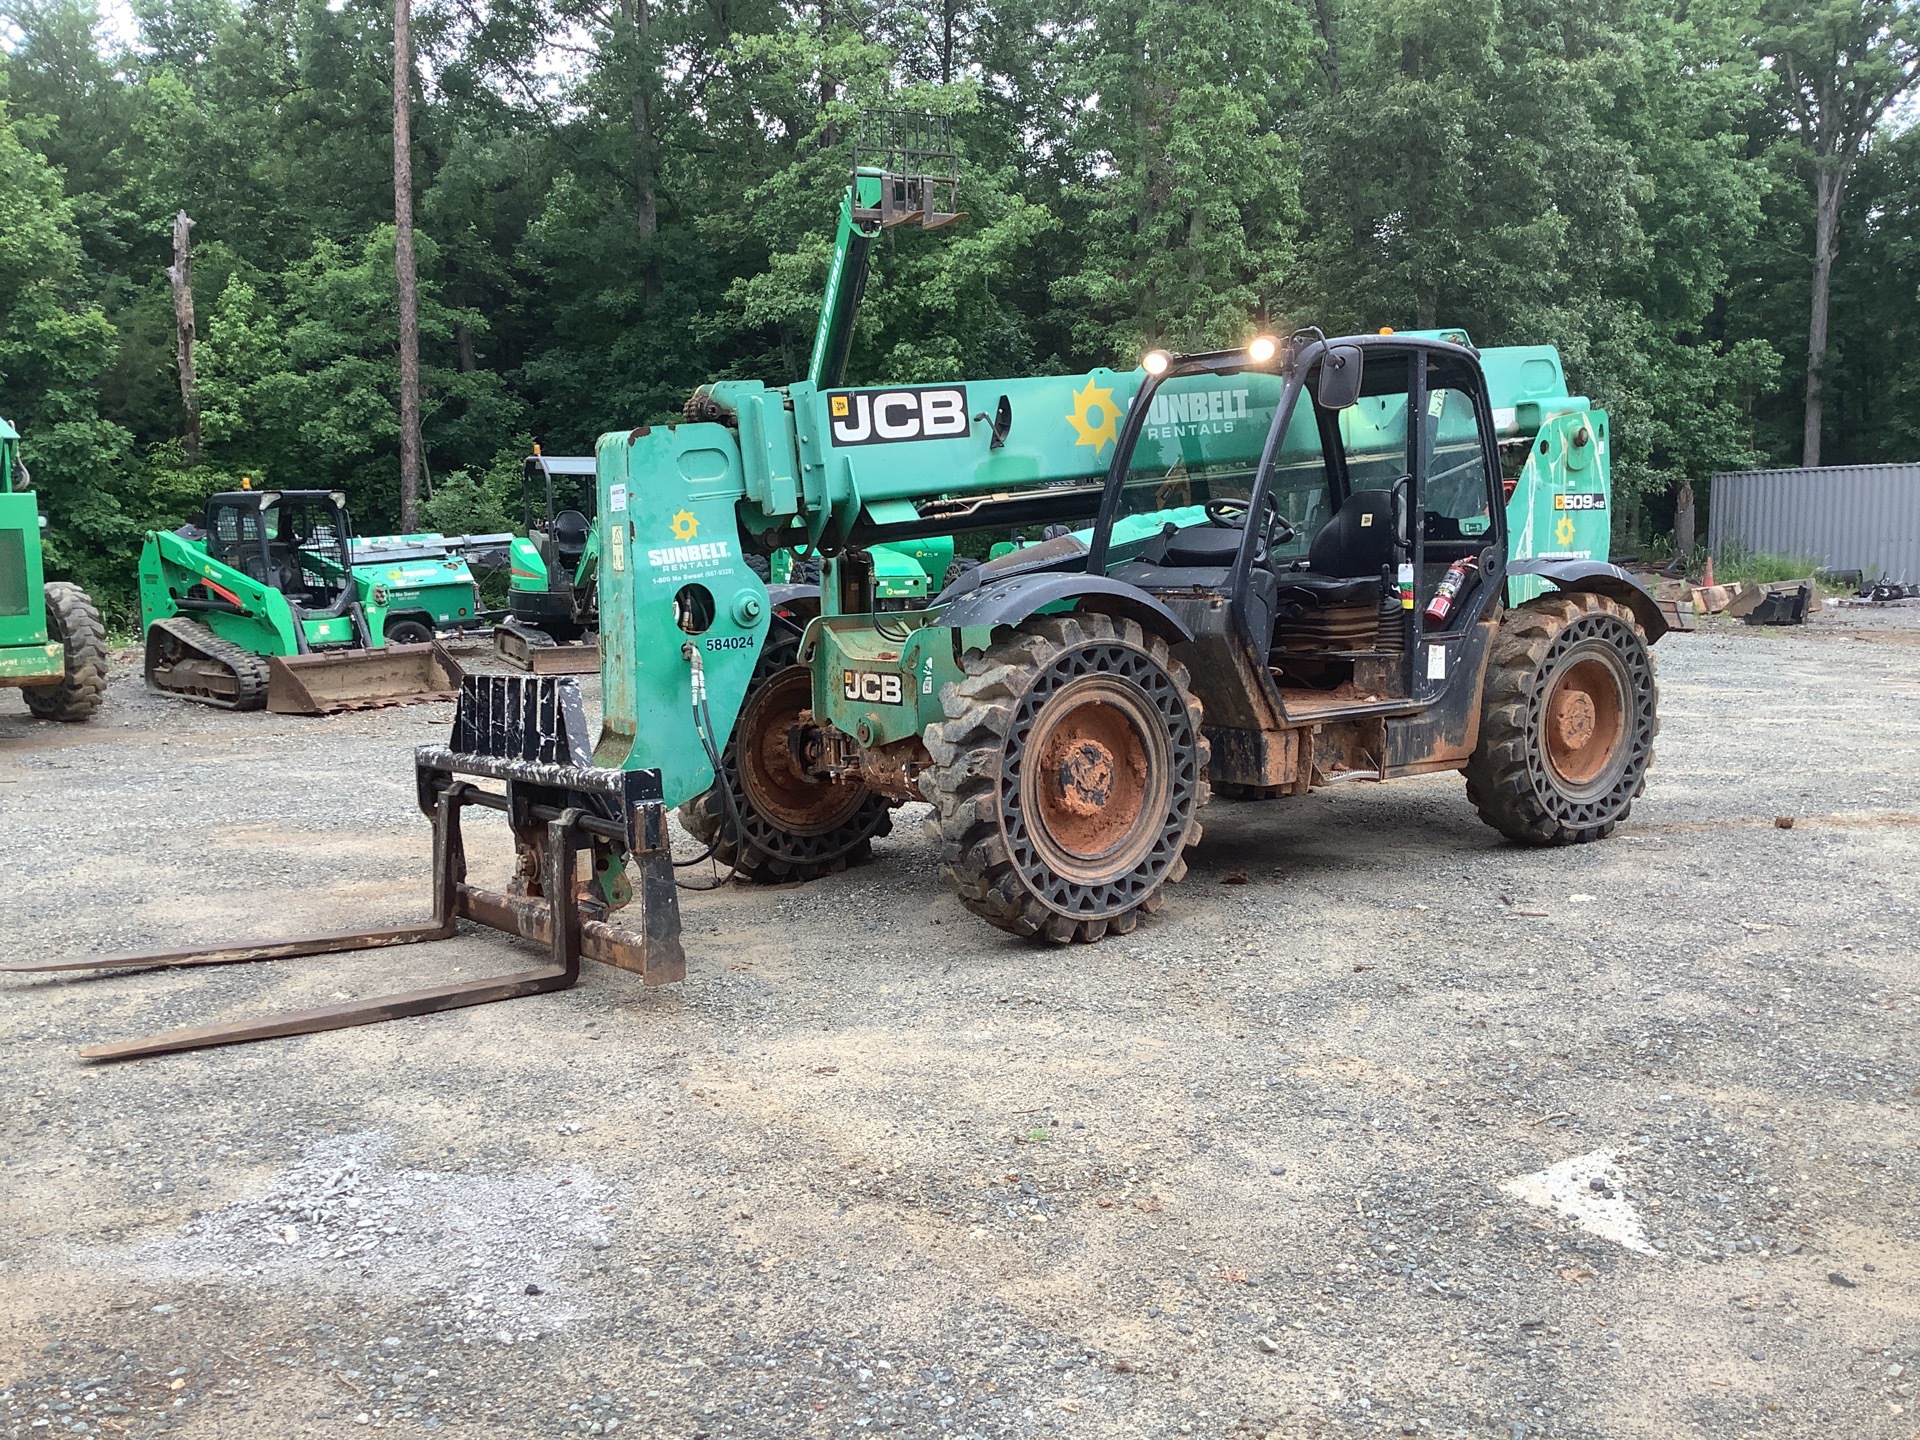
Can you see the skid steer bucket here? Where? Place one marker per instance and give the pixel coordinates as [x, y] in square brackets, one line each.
[330, 680]
[528, 737]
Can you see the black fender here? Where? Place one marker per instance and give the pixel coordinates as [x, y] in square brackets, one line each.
[1015, 598]
[1600, 578]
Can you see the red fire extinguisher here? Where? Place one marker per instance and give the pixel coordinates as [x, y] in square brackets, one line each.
[1451, 584]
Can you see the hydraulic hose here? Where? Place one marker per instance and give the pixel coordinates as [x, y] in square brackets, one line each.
[703, 727]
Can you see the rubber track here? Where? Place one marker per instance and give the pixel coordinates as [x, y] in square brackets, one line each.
[705, 815]
[964, 783]
[73, 620]
[249, 670]
[1500, 783]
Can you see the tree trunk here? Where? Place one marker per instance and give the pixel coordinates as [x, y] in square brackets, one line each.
[463, 337]
[829, 86]
[181, 274]
[1684, 526]
[638, 22]
[1829, 186]
[403, 267]
[946, 40]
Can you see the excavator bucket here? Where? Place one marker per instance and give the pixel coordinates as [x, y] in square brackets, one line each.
[330, 680]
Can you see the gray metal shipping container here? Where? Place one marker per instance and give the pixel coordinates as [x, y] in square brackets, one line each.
[1847, 517]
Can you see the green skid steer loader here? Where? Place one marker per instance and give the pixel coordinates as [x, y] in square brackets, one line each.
[53, 648]
[262, 606]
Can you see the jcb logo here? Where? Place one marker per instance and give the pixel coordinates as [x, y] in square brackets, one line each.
[887, 417]
[868, 687]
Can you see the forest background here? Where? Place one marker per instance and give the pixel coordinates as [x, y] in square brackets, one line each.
[618, 201]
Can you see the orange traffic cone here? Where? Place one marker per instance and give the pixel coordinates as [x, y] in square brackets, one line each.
[1706, 576]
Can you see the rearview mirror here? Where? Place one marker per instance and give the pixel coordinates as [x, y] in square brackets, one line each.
[1338, 385]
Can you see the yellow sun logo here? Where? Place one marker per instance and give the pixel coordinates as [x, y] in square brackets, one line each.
[686, 525]
[1087, 403]
[1563, 532]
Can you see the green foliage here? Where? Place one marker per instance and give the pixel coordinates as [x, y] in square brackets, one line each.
[461, 505]
[612, 212]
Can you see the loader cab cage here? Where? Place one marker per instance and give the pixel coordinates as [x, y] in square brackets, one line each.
[294, 541]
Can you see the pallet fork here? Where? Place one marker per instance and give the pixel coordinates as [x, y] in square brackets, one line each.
[529, 733]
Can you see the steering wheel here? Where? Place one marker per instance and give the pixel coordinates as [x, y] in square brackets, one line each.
[1231, 514]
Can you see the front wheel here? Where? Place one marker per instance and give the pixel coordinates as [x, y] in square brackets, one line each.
[1567, 724]
[1069, 777]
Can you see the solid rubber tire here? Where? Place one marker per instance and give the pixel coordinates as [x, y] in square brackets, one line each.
[1507, 776]
[789, 857]
[969, 785]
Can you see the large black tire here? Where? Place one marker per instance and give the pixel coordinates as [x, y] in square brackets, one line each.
[73, 620]
[1069, 777]
[1568, 719]
[795, 830]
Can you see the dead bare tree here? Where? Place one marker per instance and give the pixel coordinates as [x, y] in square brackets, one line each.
[406, 282]
[181, 274]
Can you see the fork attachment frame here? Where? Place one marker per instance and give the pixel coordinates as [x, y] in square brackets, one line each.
[529, 733]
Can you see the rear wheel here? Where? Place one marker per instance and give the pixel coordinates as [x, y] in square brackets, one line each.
[795, 828]
[1069, 777]
[74, 622]
[1568, 721]
[409, 632]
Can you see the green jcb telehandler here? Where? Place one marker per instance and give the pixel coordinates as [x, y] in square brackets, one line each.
[1260, 572]
[261, 606]
[53, 648]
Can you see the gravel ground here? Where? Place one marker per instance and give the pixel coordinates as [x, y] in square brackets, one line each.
[1384, 1127]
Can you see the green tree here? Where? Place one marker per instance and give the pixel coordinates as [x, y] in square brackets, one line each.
[1840, 66]
[54, 345]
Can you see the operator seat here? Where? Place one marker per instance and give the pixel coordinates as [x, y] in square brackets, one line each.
[570, 529]
[1346, 557]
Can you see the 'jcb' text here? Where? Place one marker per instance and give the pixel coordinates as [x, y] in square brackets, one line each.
[886, 417]
[867, 687]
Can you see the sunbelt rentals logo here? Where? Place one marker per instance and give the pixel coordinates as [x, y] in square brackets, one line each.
[686, 526]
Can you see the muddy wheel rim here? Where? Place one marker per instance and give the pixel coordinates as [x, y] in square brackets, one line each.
[1585, 721]
[1096, 780]
[1095, 706]
[767, 773]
